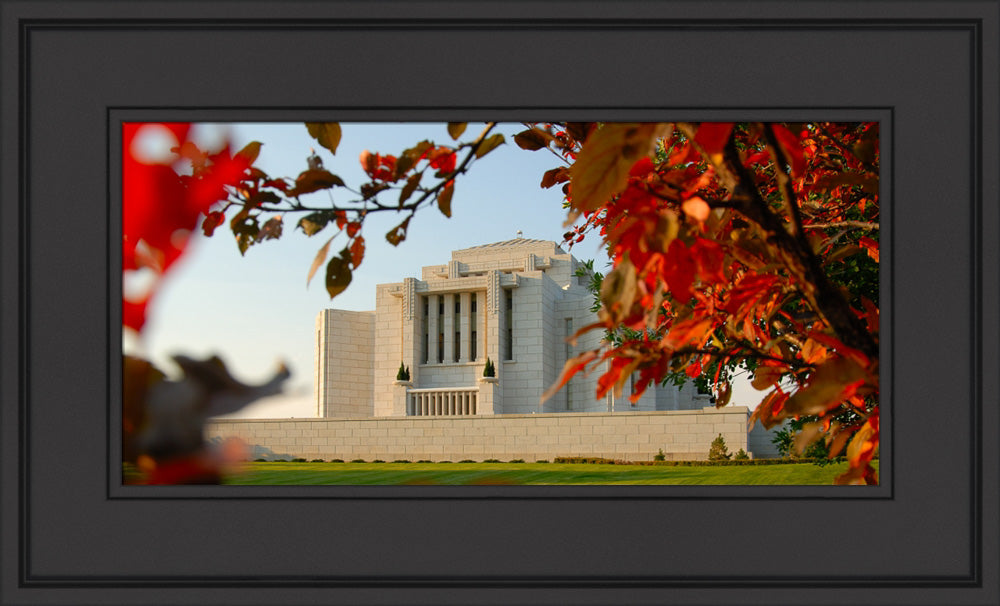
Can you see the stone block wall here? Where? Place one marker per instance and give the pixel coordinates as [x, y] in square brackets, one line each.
[344, 363]
[637, 436]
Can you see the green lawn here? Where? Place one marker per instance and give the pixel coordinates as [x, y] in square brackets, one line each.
[309, 474]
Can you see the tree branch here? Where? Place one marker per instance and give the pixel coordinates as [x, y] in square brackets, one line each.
[822, 295]
[858, 224]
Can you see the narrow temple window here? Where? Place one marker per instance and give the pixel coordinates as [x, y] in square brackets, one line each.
[509, 321]
[472, 327]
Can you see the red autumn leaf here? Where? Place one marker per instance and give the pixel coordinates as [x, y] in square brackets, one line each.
[442, 159]
[693, 370]
[357, 249]
[642, 168]
[712, 136]
[212, 220]
[134, 313]
[679, 271]
[708, 259]
[793, 149]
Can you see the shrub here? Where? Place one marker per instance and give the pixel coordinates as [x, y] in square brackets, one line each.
[336, 460]
[492, 461]
[584, 460]
[718, 450]
[377, 461]
[444, 461]
[403, 374]
[517, 460]
[260, 460]
[316, 461]
[425, 461]
[489, 370]
[741, 455]
[466, 461]
[357, 460]
[400, 461]
[542, 461]
[298, 460]
[660, 456]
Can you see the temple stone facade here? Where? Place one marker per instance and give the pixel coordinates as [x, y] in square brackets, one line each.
[514, 302]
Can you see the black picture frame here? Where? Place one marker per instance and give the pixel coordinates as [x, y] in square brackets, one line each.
[71, 70]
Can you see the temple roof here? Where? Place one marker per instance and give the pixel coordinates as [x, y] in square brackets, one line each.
[516, 242]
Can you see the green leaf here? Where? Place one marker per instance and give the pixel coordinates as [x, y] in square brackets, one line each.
[313, 223]
[410, 156]
[532, 139]
[244, 241]
[338, 273]
[410, 187]
[489, 145]
[326, 134]
[560, 174]
[271, 230]
[250, 152]
[320, 257]
[264, 196]
[455, 129]
[601, 168]
[398, 234]
[314, 180]
[444, 198]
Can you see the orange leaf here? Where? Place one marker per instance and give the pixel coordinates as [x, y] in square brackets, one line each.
[444, 198]
[601, 169]
[870, 246]
[768, 374]
[809, 433]
[769, 411]
[829, 385]
[319, 259]
[696, 208]
[572, 366]
[862, 447]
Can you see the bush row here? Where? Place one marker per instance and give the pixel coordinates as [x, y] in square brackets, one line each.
[723, 462]
[299, 460]
[589, 460]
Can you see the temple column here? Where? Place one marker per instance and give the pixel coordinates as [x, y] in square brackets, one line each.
[449, 328]
[432, 329]
[463, 324]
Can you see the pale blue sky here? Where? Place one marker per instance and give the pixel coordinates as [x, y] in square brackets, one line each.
[256, 309]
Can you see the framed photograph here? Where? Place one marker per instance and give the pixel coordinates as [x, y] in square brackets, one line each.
[73, 73]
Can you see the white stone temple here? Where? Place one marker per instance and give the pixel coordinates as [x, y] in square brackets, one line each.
[514, 302]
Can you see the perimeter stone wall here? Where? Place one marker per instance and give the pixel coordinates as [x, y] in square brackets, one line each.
[636, 436]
